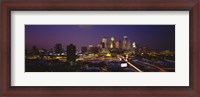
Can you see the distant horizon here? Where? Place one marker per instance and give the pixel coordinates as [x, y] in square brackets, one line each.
[155, 37]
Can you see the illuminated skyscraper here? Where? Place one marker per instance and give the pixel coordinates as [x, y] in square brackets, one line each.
[112, 43]
[100, 45]
[134, 45]
[125, 42]
[104, 46]
[129, 46]
[118, 44]
[71, 54]
[104, 42]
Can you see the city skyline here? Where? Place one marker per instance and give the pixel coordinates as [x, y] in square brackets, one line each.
[100, 48]
[156, 37]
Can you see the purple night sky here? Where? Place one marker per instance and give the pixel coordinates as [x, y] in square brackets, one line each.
[156, 37]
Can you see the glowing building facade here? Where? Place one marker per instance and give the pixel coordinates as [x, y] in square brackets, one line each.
[112, 43]
[125, 43]
[104, 42]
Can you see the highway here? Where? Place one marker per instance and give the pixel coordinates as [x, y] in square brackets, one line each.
[151, 65]
[132, 65]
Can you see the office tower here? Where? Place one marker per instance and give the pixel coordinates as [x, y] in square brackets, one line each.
[83, 49]
[134, 45]
[112, 43]
[124, 46]
[58, 48]
[129, 46]
[71, 54]
[104, 42]
[118, 44]
[104, 45]
[100, 45]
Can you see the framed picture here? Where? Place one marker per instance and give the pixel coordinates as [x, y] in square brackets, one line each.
[138, 48]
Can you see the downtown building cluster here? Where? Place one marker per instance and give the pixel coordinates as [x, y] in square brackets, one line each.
[108, 55]
[105, 47]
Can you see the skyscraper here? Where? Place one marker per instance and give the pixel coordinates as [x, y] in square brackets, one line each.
[112, 43]
[118, 44]
[104, 45]
[58, 48]
[125, 43]
[100, 45]
[134, 47]
[104, 42]
[129, 46]
[71, 54]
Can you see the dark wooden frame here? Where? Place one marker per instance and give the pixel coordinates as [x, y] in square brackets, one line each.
[98, 5]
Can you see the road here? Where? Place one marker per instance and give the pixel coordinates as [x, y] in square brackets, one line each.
[151, 65]
[129, 63]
